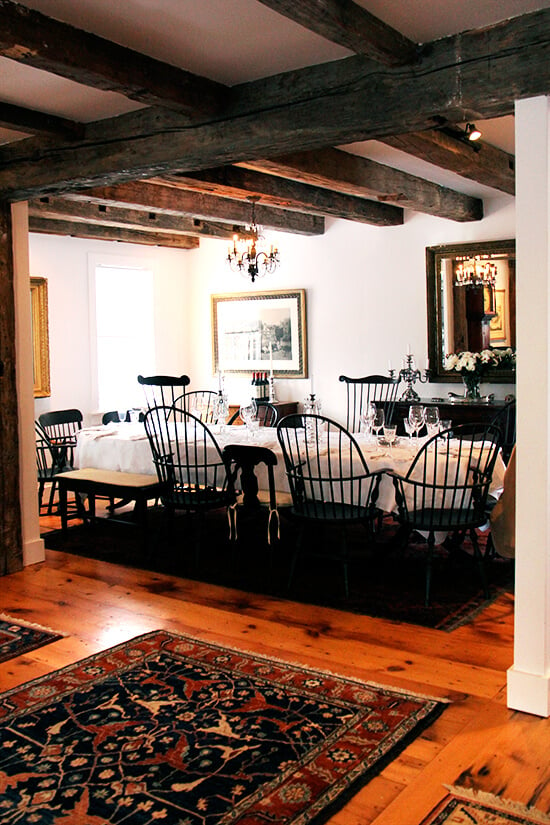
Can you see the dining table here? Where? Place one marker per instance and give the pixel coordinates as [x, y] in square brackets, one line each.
[124, 447]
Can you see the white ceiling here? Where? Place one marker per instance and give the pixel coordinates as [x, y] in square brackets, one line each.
[241, 40]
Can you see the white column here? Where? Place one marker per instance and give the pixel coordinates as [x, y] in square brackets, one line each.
[33, 545]
[529, 677]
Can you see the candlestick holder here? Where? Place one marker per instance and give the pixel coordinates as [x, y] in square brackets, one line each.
[410, 374]
[272, 396]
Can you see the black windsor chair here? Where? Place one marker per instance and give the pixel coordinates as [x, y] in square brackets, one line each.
[189, 465]
[163, 390]
[48, 465]
[330, 483]
[62, 428]
[112, 417]
[203, 403]
[381, 389]
[505, 420]
[267, 414]
[446, 486]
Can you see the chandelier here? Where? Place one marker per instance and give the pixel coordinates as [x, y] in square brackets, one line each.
[476, 271]
[247, 256]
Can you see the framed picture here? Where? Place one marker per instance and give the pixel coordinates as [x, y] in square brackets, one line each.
[40, 337]
[499, 328]
[260, 331]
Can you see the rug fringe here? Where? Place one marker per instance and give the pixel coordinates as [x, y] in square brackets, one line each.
[506, 805]
[4, 617]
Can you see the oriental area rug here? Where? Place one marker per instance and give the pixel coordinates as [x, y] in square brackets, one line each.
[464, 807]
[18, 637]
[384, 581]
[166, 728]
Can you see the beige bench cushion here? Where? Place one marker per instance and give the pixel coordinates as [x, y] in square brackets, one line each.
[110, 477]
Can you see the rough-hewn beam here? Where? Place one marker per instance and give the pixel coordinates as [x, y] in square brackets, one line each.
[11, 552]
[360, 176]
[489, 166]
[30, 37]
[351, 26]
[468, 76]
[232, 182]
[37, 123]
[77, 229]
[141, 219]
[175, 201]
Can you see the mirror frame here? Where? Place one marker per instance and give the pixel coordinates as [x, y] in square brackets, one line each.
[435, 305]
[40, 337]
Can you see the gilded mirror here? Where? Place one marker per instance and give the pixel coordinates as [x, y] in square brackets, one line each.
[40, 337]
[471, 291]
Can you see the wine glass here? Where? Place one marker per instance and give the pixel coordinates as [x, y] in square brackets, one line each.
[122, 415]
[416, 419]
[378, 421]
[390, 435]
[366, 419]
[431, 419]
[409, 429]
[249, 413]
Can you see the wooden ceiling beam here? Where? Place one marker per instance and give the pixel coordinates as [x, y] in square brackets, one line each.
[350, 25]
[233, 182]
[59, 208]
[38, 123]
[354, 175]
[464, 77]
[78, 229]
[172, 200]
[33, 39]
[488, 165]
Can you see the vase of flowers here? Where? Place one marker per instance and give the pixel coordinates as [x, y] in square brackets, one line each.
[474, 366]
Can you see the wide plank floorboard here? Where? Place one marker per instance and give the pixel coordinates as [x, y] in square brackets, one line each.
[477, 742]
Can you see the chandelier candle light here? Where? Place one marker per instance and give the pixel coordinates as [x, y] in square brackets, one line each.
[246, 255]
[410, 374]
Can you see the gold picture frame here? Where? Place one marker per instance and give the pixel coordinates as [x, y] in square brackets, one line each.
[40, 337]
[260, 331]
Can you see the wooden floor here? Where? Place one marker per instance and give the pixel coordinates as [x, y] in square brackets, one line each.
[477, 742]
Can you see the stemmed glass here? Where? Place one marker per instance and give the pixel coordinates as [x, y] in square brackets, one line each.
[409, 429]
[416, 419]
[367, 418]
[249, 413]
[431, 419]
[389, 436]
[122, 415]
[378, 421]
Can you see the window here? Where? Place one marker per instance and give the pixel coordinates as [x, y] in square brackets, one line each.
[124, 321]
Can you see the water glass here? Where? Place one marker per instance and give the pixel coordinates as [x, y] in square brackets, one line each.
[444, 425]
[431, 419]
[390, 435]
[378, 420]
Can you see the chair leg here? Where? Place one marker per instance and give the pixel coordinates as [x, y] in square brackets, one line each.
[344, 555]
[429, 560]
[295, 556]
[480, 563]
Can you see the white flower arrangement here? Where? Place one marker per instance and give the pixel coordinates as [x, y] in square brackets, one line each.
[480, 363]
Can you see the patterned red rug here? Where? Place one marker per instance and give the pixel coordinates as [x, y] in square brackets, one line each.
[167, 728]
[464, 807]
[18, 637]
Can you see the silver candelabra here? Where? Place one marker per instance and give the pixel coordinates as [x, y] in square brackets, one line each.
[410, 374]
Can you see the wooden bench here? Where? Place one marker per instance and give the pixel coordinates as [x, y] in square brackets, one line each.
[111, 484]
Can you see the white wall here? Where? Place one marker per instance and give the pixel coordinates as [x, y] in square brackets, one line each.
[66, 263]
[366, 301]
[366, 297]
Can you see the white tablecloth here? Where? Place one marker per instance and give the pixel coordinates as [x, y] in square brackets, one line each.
[125, 447]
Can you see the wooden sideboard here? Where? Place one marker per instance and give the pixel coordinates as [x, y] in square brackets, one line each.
[459, 412]
[283, 408]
